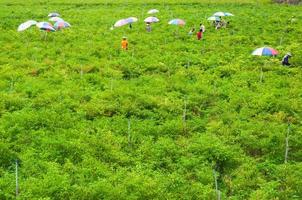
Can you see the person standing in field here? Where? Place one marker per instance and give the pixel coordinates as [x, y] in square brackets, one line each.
[202, 28]
[199, 35]
[148, 27]
[124, 43]
[218, 25]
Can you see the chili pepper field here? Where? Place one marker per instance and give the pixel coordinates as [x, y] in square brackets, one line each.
[172, 117]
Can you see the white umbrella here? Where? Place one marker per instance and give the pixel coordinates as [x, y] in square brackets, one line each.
[53, 14]
[55, 19]
[152, 11]
[151, 20]
[222, 14]
[123, 22]
[131, 19]
[26, 25]
[120, 22]
[214, 18]
[41, 24]
[228, 14]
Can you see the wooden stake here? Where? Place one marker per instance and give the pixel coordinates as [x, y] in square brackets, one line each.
[216, 185]
[17, 183]
[286, 144]
[184, 116]
[261, 74]
[81, 72]
[111, 85]
[129, 132]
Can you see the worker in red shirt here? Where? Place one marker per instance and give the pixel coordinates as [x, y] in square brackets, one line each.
[199, 35]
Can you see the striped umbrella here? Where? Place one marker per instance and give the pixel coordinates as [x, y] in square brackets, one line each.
[26, 25]
[151, 20]
[61, 24]
[55, 19]
[179, 22]
[265, 51]
[45, 26]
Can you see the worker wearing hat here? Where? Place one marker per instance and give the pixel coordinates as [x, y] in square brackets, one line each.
[124, 43]
[285, 59]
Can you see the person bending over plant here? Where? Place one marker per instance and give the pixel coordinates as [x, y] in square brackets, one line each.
[285, 59]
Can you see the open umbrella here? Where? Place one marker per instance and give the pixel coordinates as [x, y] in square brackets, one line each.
[123, 22]
[131, 19]
[61, 24]
[151, 20]
[55, 19]
[179, 22]
[120, 22]
[153, 11]
[26, 25]
[265, 51]
[222, 14]
[40, 24]
[45, 26]
[214, 18]
[53, 14]
[228, 14]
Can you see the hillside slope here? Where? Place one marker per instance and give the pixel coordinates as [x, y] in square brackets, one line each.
[159, 121]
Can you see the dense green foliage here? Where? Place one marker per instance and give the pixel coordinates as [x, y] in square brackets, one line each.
[288, 1]
[89, 121]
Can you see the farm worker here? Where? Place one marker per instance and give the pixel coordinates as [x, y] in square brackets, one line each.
[216, 22]
[202, 28]
[224, 23]
[191, 31]
[148, 27]
[124, 43]
[199, 35]
[218, 25]
[285, 59]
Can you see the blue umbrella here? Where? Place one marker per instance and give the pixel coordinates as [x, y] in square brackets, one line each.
[214, 18]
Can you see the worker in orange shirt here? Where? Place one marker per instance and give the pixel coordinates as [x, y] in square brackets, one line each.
[124, 43]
